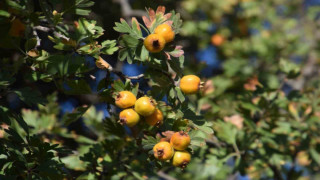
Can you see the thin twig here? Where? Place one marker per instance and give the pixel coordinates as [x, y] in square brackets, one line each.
[165, 176]
[46, 29]
[235, 147]
[34, 32]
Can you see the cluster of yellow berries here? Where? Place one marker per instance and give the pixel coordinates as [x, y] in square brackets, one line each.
[163, 34]
[144, 106]
[175, 150]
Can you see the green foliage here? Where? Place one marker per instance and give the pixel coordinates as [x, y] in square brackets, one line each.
[258, 116]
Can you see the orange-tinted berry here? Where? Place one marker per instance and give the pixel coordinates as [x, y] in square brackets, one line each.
[154, 43]
[125, 99]
[155, 119]
[190, 84]
[129, 117]
[163, 151]
[181, 159]
[180, 140]
[217, 39]
[165, 31]
[145, 106]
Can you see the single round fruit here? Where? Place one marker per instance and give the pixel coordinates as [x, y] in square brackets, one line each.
[129, 117]
[154, 43]
[155, 119]
[165, 31]
[145, 106]
[163, 151]
[190, 84]
[125, 99]
[217, 39]
[180, 140]
[181, 159]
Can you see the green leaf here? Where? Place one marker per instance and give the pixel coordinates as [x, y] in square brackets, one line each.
[315, 155]
[123, 27]
[77, 87]
[291, 69]
[226, 131]
[30, 96]
[112, 127]
[79, 7]
[148, 142]
[14, 5]
[66, 65]
[118, 85]
[177, 22]
[14, 136]
[135, 89]
[180, 94]
[126, 54]
[128, 41]
[4, 13]
[77, 113]
[109, 47]
[30, 44]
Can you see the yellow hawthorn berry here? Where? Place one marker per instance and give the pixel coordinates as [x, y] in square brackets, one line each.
[163, 151]
[125, 99]
[154, 43]
[129, 117]
[180, 140]
[190, 84]
[181, 159]
[155, 119]
[165, 31]
[145, 106]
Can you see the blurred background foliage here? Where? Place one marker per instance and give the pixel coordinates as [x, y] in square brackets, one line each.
[259, 59]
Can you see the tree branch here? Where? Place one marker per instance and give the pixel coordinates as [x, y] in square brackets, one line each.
[165, 176]
[127, 11]
[46, 29]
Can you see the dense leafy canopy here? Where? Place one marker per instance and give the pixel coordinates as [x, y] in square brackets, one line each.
[258, 114]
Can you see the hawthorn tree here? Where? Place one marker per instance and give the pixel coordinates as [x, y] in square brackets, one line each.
[255, 113]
